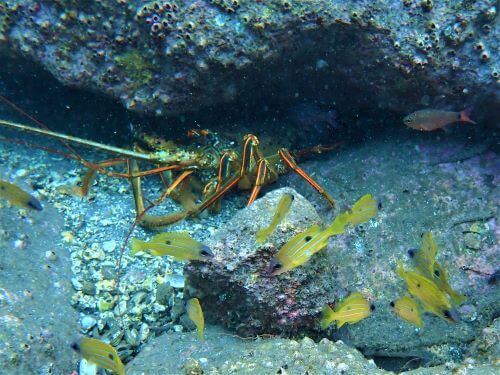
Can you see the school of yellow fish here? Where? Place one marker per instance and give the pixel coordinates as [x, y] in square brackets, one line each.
[428, 283]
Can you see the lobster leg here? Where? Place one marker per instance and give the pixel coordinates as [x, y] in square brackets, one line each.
[288, 159]
[262, 173]
[150, 221]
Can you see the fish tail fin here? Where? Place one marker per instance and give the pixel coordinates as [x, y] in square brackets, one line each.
[327, 316]
[456, 298]
[400, 270]
[341, 323]
[261, 235]
[136, 245]
[465, 116]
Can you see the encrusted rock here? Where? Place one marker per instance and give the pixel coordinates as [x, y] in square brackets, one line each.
[172, 57]
[224, 353]
[234, 288]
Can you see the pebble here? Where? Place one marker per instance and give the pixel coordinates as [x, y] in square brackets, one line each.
[178, 328]
[22, 173]
[175, 281]
[50, 255]
[109, 246]
[88, 322]
[19, 244]
[343, 368]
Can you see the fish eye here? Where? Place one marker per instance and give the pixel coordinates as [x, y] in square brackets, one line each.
[168, 242]
[418, 285]
[110, 356]
[447, 314]
[372, 307]
[277, 266]
[392, 304]
[308, 238]
[411, 253]
[437, 273]
[205, 251]
[379, 205]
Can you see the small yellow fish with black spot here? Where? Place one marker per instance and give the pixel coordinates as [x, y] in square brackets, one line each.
[283, 207]
[195, 313]
[426, 263]
[18, 197]
[407, 308]
[303, 246]
[178, 245]
[427, 292]
[350, 310]
[100, 353]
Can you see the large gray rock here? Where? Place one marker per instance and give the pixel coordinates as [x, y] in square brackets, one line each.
[234, 287]
[168, 57]
[225, 353]
[37, 322]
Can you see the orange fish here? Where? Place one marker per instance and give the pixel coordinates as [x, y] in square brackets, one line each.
[433, 119]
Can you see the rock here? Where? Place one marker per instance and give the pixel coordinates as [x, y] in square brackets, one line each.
[88, 322]
[223, 353]
[173, 57]
[234, 289]
[37, 321]
[175, 281]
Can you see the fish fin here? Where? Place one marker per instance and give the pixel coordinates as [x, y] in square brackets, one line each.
[327, 315]
[400, 270]
[456, 298]
[136, 245]
[465, 116]
[261, 235]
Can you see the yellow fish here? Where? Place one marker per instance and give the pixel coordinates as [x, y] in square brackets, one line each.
[425, 262]
[195, 313]
[433, 119]
[407, 308]
[281, 211]
[100, 353]
[303, 246]
[298, 250]
[351, 310]
[426, 291]
[178, 245]
[18, 197]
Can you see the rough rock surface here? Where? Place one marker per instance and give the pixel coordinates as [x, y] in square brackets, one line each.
[37, 322]
[234, 287]
[168, 57]
[224, 353]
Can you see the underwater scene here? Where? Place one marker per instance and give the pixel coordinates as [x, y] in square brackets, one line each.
[259, 187]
